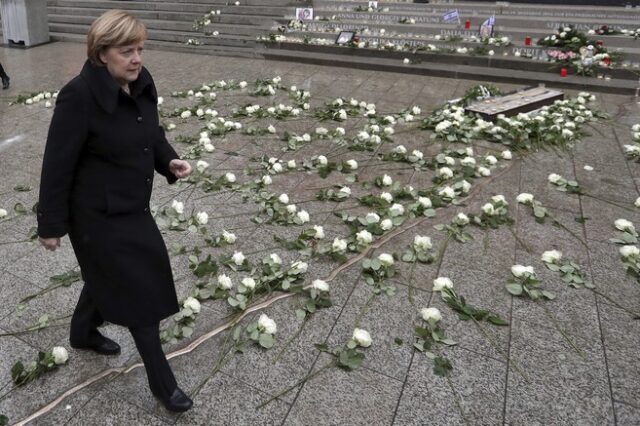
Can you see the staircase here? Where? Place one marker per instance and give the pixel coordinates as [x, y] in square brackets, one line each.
[170, 24]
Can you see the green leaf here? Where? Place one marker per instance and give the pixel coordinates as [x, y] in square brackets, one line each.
[398, 341]
[514, 288]
[22, 188]
[441, 366]
[266, 340]
[549, 295]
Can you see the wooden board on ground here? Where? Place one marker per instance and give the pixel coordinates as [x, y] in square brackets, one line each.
[524, 100]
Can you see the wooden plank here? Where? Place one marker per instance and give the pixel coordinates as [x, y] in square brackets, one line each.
[524, 100]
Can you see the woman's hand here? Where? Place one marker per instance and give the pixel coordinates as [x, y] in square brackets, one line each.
[50, 243]
[180, 168]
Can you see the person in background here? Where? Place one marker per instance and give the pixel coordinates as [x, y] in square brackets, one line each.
[103, 145]
[5, 78]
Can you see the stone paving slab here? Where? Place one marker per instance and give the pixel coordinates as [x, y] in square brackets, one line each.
[396, 385]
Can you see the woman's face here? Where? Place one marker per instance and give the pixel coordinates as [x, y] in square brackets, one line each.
[123, 62]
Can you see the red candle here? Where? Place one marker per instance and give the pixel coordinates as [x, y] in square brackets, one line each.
[599, 42]
[563, 72]
[467, 24]
[607, 61]
[527, 41]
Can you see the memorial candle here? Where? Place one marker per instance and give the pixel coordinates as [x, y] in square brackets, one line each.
[467, 24]
[527, 41]
[563, 72]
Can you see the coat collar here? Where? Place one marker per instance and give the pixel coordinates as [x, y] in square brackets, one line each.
[106, 90]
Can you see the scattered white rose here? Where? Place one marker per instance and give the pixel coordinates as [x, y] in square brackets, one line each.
[425, 202]
[178, 206]
[520, 270]
[396, 210]
[386, 224]
[442, 282]
[387, 197]
[202, 218]
[320, 285]
[275, 258]
[386, 180]
[554, 178]
[283, 198]
[489, 209]
[224, 282]
[372, 218]
[193, 304]
[60, 355]
[624, 225]
[271, 129]
[339, 245]
[506, 155]
[228, 237]
[364, 237]
[629, 250]
[319, 232]
[303, 216]
[431, 314]
[524, 198]
[445, 173]
[291, 208]
[362, 337]
[3, 213]
[299, 267]
[185, 114]
[322, 160]
[266, 179]
[230, 177]
[551, 256]
[588, 168]
[636, 203]
[422, 243]
[267, 325]
[249, 283]
[386, 259]
[238, 258]
[483, 171]
[291, 164]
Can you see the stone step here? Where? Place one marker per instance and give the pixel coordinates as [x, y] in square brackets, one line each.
[630, 23]
[487, 9]
[213, 50]
[517, 34]
[188, 8]
[219, 3]
[469, 72]
[152, 24]
[455, 59]
[169, 36]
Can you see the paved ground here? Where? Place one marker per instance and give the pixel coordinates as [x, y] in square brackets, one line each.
[395, 385]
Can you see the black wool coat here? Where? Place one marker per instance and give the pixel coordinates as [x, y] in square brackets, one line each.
[97, 174]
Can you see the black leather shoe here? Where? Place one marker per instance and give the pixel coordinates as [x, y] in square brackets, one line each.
[178, 402]
[5, 82]
[102, 345]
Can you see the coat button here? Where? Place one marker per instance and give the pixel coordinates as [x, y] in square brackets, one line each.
[149, 181]
[146, 209]
[146, 149]
[139, 119]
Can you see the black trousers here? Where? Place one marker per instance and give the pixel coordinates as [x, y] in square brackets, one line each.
[84, 331]
[2, 73]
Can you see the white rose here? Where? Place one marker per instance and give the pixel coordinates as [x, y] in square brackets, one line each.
[202, 218]
[178, 206]
[3, 213]
[489, 209]
[266, 179]
[425, 202]
[418, 154]
[60, 355]
[422, 243]
[506, 155]
[303, 216]
[491, 159]
[353, 164]
[192, 303]
[372, 218]
[524, 198]
[230, 177]
[249, 283]
[462, 218]
[271, 129]
[171, 126]
[185, 114]
[277, 167]
[441, 282]
[445, 172]
[267, 325]
[386, 180]
[387, 197]
[466, 186]
[636, 203]
[283, 198]
[554, 178]
[448, 192]
[499, 199]
[320, 285]
[238, 258]
[291, 208]
[624, 225]
[483, 171]
[319, 232]
[551, 256]
[201, 166]
[627, 251]
[322, 160]
[468, 161]
[275, 258]
[364, 237]
[416, 110]
[209, 147]
[386, 224]
[339, 245]
[386, 259]
[389, 131]
[228, 237]
[291, 164]
[345, 190]
[361, 337]
[520, 270]
[243, 84]
[396, 210]
[400, 149]
[224, 282]
[431, 314]
[299, 267]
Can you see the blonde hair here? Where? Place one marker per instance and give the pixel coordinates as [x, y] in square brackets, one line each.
[113, 28]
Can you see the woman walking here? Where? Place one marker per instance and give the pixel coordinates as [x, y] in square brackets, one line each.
[103, 145]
